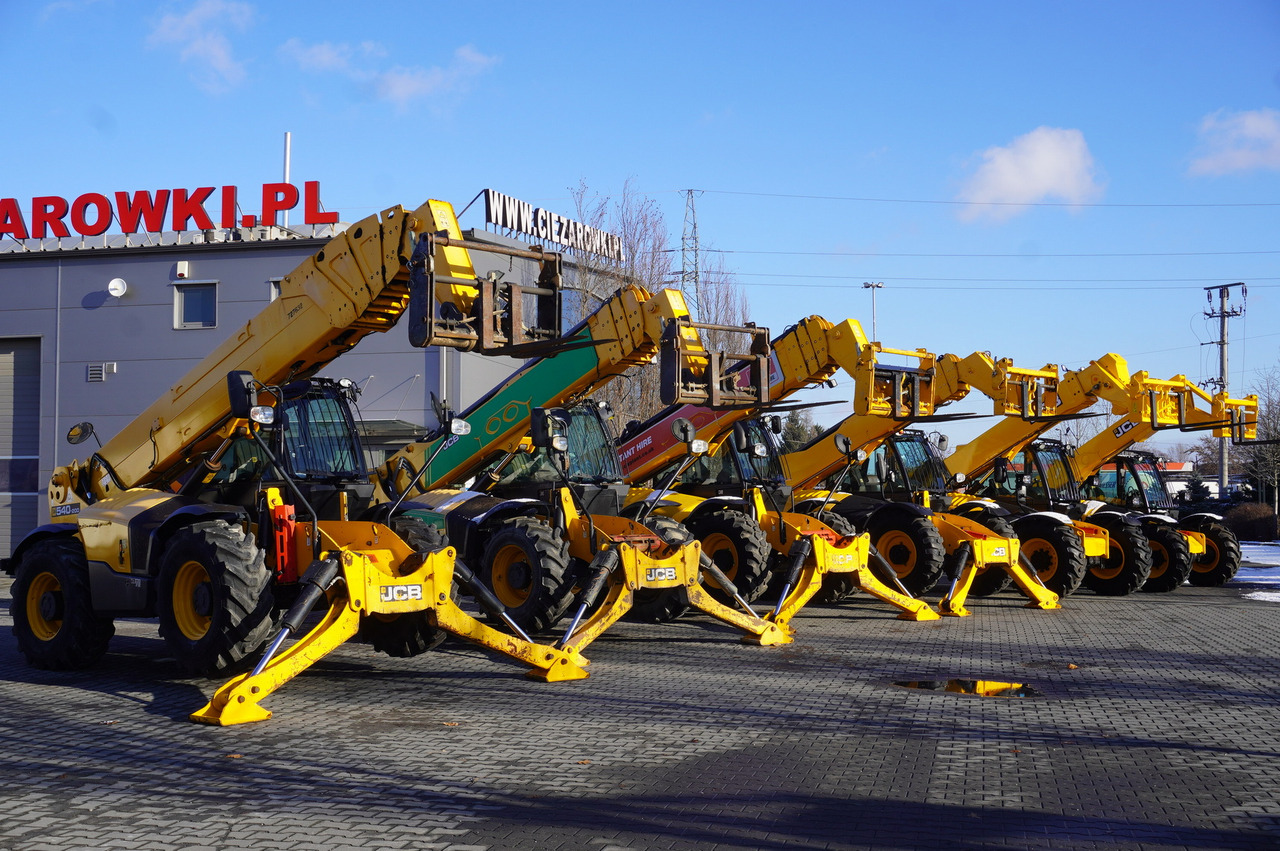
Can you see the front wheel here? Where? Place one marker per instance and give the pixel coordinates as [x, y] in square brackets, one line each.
[52, 609]
[214, 597]
[1127, 563]
[912, 546]
[1055, 552]
[526, 566]
[1170, 559]
[410, 633]
[1221, 557]
[737, 545]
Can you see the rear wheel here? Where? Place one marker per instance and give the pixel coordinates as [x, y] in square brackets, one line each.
[1055, 553]
[994, 578]
[214, 597]
[737, 545]
[410, 633]
[1221, 557]
[52, 609]
[1170, 558]
[912, 546]
[526, 565]
[1127, 563]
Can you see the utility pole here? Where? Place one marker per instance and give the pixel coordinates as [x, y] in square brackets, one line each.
[873, 288]
[1222, 314]
[689, 281]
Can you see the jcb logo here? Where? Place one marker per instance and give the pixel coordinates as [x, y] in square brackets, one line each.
[399, 593]
[839, 559]
[999, 552]
[1119, 431]
[660, 574]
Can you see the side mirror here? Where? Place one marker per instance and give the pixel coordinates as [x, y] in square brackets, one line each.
[843, 444]
[79, 433]
[543, 432]
[1001, 470]
[685, 432]
[740, 441]
[775, 424]
[881, 466]
[942, 442]
[242, 391]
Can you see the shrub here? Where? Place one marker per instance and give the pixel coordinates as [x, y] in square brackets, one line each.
[1252, 521]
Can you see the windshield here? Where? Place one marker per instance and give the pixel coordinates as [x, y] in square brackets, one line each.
[1054, 475]
[591, 454]
[1150, 482]
[318, 439]
[924, 468]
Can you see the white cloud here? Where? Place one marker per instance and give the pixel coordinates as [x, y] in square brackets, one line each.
[1238, 141]
[399, 85]
[201, 35]
[1047, 164]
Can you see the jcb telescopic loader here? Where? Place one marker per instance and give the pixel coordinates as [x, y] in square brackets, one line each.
[914, 537]
[1148, 551]
[532, 530]
[1134, 479]
[188, 516]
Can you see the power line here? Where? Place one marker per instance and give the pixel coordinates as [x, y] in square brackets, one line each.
[978, 203]
[895, 278]
[981, 256]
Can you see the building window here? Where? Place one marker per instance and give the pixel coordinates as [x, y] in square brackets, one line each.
[275, 287]
[195, 305]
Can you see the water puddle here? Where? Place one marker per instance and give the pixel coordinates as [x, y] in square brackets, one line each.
[982, 688]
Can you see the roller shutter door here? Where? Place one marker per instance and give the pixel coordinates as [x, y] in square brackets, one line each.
[21, 493]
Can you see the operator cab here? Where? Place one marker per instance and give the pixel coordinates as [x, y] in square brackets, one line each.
[1132, 480]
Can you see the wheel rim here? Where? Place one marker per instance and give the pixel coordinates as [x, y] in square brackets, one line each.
[1208, 562]
[1113, 565]
[1159, 560]
[192, 600]
[1043, 557]
[722, 552]
[44, 606]
[899, 550]
[511, 576]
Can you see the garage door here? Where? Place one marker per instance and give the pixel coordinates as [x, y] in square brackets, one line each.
[20, 488]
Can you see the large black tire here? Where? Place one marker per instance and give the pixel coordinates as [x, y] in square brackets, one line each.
[1128, 562]
[1221, 557]
[1055, 553]
[992, 580]
[662, 605]
[52, 609]
[836, 586]
[214, 597]
[737, 545]
[913, 547]
[526, 565]
[1170, 558]
[411, 633]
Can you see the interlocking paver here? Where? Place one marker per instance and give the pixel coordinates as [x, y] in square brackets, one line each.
[1155, 729]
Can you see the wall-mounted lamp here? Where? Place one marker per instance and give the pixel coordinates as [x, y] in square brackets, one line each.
[117, 287]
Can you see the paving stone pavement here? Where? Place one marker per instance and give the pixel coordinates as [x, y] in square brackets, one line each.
[1157, 726]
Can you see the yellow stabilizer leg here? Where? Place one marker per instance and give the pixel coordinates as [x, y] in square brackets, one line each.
[550, 665]
[759, 631]
[913, 609]
[236, 702]
[952, 605]
[1025, 575]
[852, 558]
[616, 604]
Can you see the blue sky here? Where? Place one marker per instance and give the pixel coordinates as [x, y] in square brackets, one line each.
[1128, 153]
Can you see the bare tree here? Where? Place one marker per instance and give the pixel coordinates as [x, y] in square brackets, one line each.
[1261, 461]
[648, 261]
